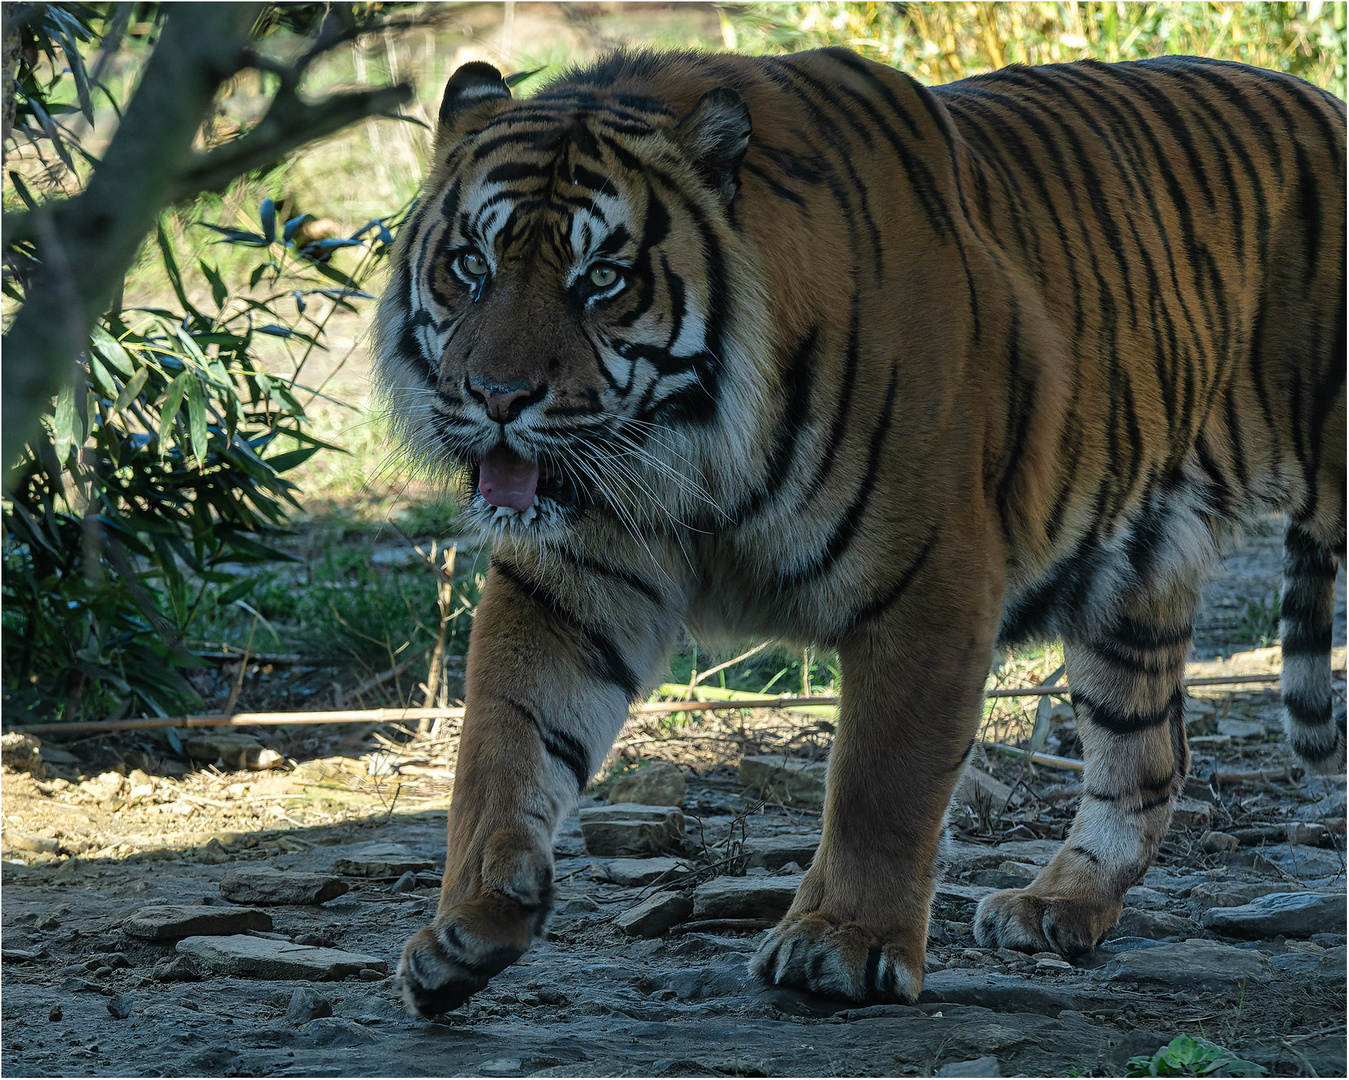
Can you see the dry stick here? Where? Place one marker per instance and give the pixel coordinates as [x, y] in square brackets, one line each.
[395, 715]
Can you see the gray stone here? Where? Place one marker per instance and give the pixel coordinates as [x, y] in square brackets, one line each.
[644, 871]
[790, 781]
[261, 958]
[654, 785]
[1306, 863]
[1140, 896]
[1212, 842]
[1191, 813]
[121, 1006]
[1213, 894]
[229, 747]
[1235, 728]
[1292, 914]
[330, 1031]
[977, 788]
[307, 1004]
[405, 884]
[1037, 852]
[630, 828]
[173, 922]
[775, 852]
[378, 860]
[1193, 964]
[176, 969]
[745, 898]
[655, 915]
[962, 857]
[1134, 922]
[502, 1067]
[266, 886]
[984, 1066]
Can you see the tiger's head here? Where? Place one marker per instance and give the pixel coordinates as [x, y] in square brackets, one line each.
[572, 318]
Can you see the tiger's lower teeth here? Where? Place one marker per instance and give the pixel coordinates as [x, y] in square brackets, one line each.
[526, 516]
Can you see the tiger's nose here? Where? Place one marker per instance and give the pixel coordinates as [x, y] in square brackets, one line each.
[505, 403]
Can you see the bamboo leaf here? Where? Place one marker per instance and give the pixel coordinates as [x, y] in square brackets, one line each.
[196, 417]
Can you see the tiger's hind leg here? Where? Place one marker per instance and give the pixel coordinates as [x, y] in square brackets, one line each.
[1307, 612]
[1129, 698]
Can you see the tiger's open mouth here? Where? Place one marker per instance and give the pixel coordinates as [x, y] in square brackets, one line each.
[517, 488]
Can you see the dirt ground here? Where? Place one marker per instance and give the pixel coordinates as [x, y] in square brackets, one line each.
[103, 829]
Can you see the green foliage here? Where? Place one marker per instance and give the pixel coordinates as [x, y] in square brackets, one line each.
[1186, 1056]
[938, 42]
[1259, 622]
[159, 481]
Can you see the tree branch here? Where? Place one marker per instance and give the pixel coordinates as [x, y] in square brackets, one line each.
[288, 125]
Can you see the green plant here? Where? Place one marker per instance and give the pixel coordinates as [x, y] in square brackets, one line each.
[158, 481]
[1259, 621]
[1187, 1056]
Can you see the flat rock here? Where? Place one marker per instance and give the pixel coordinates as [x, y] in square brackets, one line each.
[172, 922]
[790, 781]
[655, 915]
[1297, 915]
[962, 857]
[654, 785]
[1135, 922]
[228, 746]
[1305, 863]
[266, 886]
[984, 1066]
[378, 860]
[262, 958]
[1003, 993]
[644, 871]
[775, 852]
[1193, 964]
[630, 828]
[1226, 894]
[745, 898]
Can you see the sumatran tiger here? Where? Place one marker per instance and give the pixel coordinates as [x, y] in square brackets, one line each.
[795, 347]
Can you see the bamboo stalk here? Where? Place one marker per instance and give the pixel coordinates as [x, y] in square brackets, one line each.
[396, 715]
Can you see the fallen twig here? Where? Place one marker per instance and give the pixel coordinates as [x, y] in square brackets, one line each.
[396, 715]
[700, 925]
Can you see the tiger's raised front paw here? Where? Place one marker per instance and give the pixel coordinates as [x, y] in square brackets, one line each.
[1020, 919]
[816, 952]
[452, 959]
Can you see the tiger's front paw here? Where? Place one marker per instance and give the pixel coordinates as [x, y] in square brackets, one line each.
[1020, 919]
[814, 951]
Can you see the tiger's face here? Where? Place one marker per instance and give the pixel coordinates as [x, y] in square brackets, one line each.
[557, 322]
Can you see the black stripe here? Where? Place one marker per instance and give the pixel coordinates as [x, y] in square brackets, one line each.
[882, 602]
[847, 526]
[559, 744]
[1091, 855]
[632, 581]
[1126, 723]
[1310, 713]
[607, 661]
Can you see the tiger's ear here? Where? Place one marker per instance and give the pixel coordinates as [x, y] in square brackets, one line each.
[471, 85]
[715, 133]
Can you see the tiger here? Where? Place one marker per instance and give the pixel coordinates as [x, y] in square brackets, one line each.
[794, 347]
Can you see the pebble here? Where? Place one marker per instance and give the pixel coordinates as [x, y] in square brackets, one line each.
[121, 1006]
[745, 898]
[379, 860]
[654, 785]
[307, 1004]
[642, 871]
[630, 828]
[259, 958]
[984, 1066]
[405, 884]
[1212, 842]
[176, 969]
[1292, 914]
[172, 922]
[267, 886]
[790, 781]
[655, 915]
[1191, 813]
[55, 1014]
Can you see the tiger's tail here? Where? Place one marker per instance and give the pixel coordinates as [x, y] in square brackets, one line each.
[1307, 610]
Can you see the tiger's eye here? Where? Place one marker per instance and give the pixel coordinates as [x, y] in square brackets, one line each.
[474, 264]
[603, 276]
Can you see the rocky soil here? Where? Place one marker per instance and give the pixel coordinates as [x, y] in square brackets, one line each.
[243, 921]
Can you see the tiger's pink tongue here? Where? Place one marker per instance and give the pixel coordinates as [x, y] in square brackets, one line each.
[507, 480]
